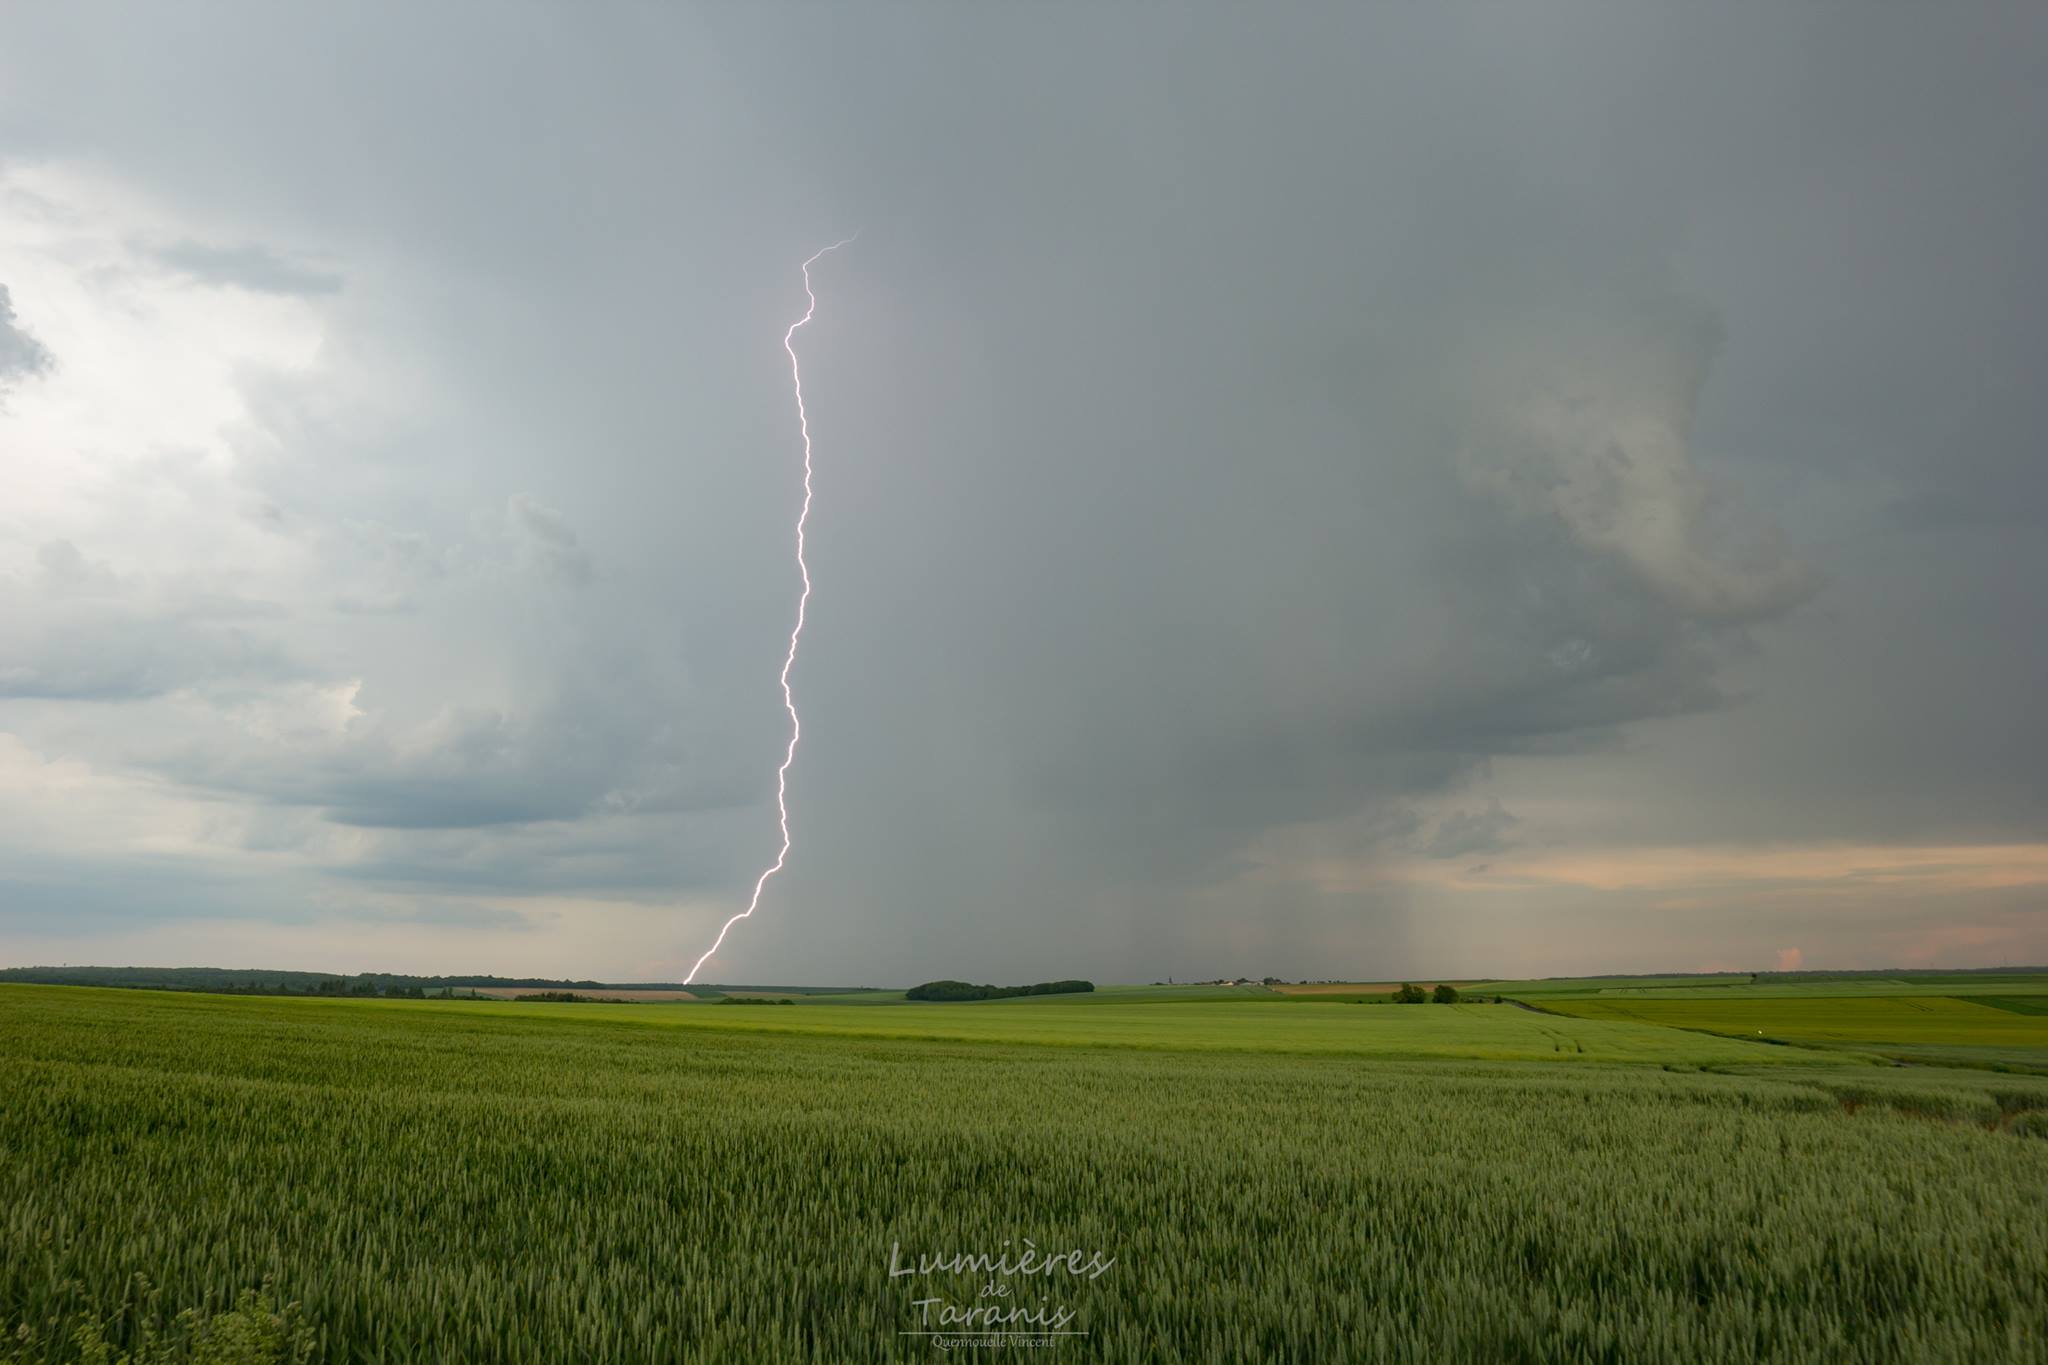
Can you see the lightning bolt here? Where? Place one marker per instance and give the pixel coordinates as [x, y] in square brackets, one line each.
[803, 517]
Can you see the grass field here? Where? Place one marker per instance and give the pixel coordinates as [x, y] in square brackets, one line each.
[643, 997]
[2004, 986]
[1360, 992]
[2017, 1004]
[1101, 995]
[1593, 985]
[1943, 1028]
[1921, 1019]
[1478, 1032]
[1773, 984]
[485, 1181]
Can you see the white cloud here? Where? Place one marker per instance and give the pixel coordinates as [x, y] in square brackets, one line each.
[126, 449]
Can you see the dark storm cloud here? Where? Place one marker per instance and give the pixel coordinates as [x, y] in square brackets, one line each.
[21, 355]
[1308, 577]
[1234, 428]
[471, 768]
[1463, 833]
[583, 746]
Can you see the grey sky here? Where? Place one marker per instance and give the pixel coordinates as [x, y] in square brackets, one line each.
[1485, 489]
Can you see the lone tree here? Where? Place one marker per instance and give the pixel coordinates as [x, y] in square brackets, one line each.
[1445, 994]
[1410, 995]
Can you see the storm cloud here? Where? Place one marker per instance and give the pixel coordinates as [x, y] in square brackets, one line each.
[1284, 480]
[21, 355]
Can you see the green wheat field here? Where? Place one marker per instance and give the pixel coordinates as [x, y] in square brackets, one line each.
[1603, 1172]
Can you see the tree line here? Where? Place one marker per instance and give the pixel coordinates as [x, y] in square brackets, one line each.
[962, 990]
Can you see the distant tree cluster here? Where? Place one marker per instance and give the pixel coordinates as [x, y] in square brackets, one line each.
[1410, 994]
[961, 990]
[563, 998]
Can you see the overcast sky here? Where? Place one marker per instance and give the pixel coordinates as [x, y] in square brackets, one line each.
[1339, 492]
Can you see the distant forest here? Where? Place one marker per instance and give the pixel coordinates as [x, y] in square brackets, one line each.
[961, 990]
